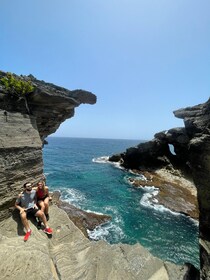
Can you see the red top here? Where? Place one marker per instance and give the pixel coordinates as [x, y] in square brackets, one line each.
[41, 193]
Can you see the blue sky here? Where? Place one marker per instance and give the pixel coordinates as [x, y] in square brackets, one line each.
[142, 58]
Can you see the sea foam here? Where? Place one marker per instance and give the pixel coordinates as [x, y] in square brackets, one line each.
[102, 232]
[72, 196]
[105, 159]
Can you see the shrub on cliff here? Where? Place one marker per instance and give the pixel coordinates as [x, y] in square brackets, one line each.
[17, 88]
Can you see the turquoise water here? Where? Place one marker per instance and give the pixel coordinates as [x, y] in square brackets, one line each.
[77, 167]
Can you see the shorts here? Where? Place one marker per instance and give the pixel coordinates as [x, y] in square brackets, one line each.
[31, 212]
[43, 198]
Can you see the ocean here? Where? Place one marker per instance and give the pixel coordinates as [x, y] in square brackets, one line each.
[78, 168]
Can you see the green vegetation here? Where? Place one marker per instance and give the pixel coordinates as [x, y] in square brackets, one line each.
[16, 87]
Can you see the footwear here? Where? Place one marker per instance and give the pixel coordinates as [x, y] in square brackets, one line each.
[47, 217]
[26, 237]
[48, 230]
[39, 224]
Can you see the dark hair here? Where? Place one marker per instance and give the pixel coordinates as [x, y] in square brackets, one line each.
[26, 184]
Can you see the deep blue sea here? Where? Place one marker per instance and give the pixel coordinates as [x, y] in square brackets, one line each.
[78, 168]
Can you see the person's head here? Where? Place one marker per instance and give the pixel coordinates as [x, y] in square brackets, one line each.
[41, 184]
[27, 186]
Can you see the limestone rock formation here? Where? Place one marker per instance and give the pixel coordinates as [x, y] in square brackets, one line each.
[168, 171]
[191, 159]
[69, 255]
[22, 133]
[197, 125]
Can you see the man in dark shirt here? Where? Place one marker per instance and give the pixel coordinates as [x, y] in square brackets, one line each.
[26, 203]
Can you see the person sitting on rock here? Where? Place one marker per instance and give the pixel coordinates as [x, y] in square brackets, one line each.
[26, 204]
[42, 194]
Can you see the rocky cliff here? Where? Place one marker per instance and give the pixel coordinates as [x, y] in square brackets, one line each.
[22, 132]
[197, 127]
[68, 254]
[191, 159]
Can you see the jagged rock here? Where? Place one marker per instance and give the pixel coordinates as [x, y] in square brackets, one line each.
[69, 255]
[115, 158]
[191, 159]
[149, 154]
[197, 124]
[22, 134]
[156, 153]
[82, 219]
[175, 192]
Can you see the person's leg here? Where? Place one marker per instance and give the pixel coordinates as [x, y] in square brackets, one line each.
[46, 205]
[41, 205]
[24, 221]
[42, 216]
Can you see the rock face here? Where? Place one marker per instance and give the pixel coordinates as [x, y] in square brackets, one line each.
[191, 158]
[22, 134]
[69, 255]
[156, 153]
[197, 125]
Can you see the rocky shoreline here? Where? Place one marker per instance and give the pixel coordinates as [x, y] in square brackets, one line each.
[83, 220]
[69, 254]
[190, 160]
[174, 191]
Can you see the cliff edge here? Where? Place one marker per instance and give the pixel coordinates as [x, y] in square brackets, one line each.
[24, 128]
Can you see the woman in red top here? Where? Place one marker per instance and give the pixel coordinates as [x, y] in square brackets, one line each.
[42, 193]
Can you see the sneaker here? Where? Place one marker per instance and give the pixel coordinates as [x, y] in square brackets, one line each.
[26, 237]
[47, 217]
[48, 230]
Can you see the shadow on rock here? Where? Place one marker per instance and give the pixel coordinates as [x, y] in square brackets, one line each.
[20, 227]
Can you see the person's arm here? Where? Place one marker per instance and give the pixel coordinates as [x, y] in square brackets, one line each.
[48, 194]
[17, 204]
[35, 201]
[47, 190]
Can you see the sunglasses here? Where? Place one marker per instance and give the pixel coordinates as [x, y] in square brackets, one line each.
[28, 187]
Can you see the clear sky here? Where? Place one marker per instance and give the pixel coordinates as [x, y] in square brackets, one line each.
[143, 59]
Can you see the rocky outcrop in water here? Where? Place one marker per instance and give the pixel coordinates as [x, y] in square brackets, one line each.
[191, 159]
[83, 220]
[22, 133]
